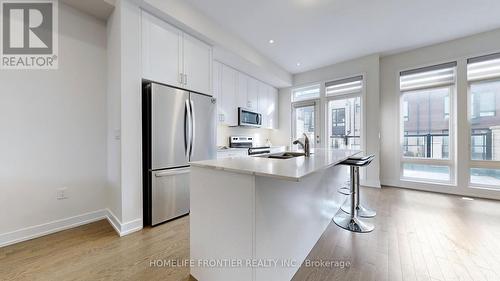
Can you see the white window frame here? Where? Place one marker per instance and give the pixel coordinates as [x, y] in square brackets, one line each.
[481, 164]
[451, 161]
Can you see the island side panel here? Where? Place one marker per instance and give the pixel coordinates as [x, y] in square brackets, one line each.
[222, 220]
[292, 216]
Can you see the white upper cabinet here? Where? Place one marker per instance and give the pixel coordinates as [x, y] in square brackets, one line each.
[235, 89]
[172, 57]
[197, 64]
[242, 100]
[253, 94]
[216, 85]
[247, 92]
[161, 51]
[263, 90]
[273, 115]
[228, 108]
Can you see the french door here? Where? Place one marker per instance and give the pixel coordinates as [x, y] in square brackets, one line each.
[305, 120]
[344, 122]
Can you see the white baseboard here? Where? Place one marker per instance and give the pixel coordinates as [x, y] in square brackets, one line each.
[371, 183]
[123, 228]
[36, 231]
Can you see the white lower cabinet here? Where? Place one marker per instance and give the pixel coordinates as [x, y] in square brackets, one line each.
[232, 153]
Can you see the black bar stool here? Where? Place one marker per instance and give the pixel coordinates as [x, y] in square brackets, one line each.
[350, 220]
[361, 210]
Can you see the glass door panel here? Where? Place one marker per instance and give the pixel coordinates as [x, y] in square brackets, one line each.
[304, 122]
[344, 123]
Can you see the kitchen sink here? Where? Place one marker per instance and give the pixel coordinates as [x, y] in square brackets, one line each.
[283, 155]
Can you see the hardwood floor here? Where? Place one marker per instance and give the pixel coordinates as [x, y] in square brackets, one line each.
[418, 236]
[95, 252]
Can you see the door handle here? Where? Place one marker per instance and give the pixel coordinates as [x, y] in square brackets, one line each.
[185, 79]
[187, 131]
[193, 128]
[172, 172]
[181, 79]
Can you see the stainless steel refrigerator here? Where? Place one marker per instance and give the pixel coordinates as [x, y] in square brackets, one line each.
[178, 127]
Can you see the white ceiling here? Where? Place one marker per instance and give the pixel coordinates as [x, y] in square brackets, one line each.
[322, 32]
[98, 8]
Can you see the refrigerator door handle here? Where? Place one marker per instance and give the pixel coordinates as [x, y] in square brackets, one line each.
[172, 172]
[187, 128]
[193, 128]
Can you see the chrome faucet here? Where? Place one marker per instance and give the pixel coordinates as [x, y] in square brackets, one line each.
[305, 145]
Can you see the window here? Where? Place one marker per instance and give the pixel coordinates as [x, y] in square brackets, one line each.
[338, 121]
[304, 121]
[426, 133]
[485, 177]
[483, 75]
[305, 93]
[344, 112]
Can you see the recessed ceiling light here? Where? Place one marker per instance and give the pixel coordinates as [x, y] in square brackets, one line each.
[468, 198]
[298, 64]
[271, 41]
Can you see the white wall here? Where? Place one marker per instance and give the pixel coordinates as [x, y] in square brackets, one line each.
[390, 66]
[124, 117]
[53, 132]
[114, 114]
[369, 67]
[131, 126]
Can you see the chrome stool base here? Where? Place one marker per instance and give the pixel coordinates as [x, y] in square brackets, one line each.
[353, 224]
[361, 210]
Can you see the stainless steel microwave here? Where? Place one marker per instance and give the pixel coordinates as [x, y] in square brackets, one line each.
[249, 118]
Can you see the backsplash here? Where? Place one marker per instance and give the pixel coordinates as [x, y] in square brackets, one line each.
[259, 135]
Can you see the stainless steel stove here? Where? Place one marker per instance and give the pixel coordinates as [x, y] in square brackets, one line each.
[247, 142]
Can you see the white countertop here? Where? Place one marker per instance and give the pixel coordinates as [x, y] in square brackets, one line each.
[288, 169]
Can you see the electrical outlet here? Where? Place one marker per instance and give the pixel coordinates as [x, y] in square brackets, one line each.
[62, 193]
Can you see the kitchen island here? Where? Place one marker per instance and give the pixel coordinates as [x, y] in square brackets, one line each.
[257, 218]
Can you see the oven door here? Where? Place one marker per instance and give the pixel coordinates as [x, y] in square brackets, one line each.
[249, 118]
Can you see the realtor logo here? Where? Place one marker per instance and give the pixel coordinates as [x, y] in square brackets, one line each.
[29, 34]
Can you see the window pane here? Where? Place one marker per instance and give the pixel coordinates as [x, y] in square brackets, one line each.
[426, 172]
[426, 123]
[485, 120]
[489, 177]
[306, 93]
[344, 123]
[304, 123]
